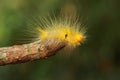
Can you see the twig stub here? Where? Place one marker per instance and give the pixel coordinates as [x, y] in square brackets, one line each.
[28, 52]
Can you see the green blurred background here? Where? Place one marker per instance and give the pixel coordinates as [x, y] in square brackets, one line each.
[97, 59]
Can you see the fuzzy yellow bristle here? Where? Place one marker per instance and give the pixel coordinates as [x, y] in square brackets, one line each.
[63, 29]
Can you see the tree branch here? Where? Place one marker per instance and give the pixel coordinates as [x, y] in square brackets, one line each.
[28, 52]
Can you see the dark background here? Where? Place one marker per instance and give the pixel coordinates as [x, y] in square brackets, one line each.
[97, 59]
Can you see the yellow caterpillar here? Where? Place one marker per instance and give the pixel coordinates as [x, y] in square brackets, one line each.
[65, 29]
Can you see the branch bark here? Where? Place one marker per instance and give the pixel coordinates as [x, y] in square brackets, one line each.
[28, 52]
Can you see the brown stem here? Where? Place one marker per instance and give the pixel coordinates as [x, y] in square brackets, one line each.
[28, 52]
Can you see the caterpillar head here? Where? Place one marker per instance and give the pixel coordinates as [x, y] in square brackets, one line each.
[73, 37]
